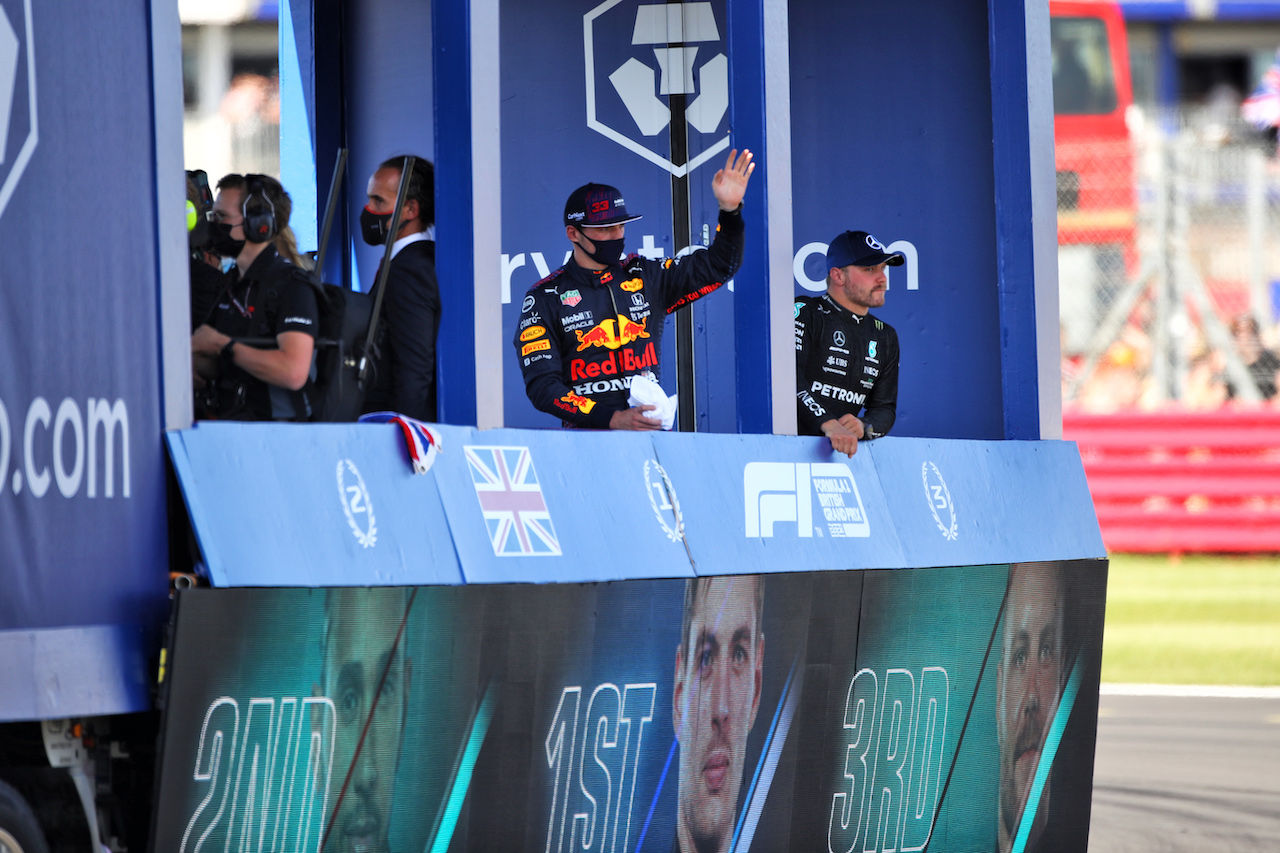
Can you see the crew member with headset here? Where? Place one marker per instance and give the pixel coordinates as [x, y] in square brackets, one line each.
[268, 299]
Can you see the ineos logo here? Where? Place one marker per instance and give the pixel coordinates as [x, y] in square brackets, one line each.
[356, 504]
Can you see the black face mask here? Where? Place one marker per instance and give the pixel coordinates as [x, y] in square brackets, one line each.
[222, 244]
[607, 252]
[373, 226]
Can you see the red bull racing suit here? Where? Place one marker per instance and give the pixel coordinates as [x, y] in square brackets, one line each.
[583, 334]
[845, 364]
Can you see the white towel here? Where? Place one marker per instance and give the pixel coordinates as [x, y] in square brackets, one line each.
[646, 392]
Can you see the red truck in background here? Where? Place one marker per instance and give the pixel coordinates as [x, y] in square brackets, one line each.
[1094, 157]
[1091, 96]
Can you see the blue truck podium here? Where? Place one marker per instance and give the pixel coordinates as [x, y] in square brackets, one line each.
[545, 597]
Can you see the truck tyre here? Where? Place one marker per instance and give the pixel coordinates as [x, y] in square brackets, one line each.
[19, 830]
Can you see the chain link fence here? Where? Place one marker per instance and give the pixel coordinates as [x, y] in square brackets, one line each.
[1169, 266]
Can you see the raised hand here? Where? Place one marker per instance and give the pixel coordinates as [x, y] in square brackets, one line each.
[730, 183]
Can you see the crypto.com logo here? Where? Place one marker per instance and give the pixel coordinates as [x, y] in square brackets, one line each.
[674, 32]
[18, 134]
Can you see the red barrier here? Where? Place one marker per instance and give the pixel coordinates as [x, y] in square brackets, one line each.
[1183, 481]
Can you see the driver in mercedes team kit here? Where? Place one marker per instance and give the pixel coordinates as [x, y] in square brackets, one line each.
[846, 359]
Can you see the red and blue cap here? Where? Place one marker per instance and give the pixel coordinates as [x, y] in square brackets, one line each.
[596, 206]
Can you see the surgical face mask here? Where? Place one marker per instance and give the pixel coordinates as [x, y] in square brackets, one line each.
[373, 226]
[607, 252]
[222, 244]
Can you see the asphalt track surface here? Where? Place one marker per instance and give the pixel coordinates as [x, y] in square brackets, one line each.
[1179, 773]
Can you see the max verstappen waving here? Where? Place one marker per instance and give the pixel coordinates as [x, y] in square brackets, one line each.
[590, 326]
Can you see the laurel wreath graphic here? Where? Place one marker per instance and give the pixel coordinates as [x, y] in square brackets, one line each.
[949, 533]
[369, 538]
[676, 534]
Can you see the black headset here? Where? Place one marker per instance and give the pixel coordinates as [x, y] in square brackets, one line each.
[259, 226]
[198, 231]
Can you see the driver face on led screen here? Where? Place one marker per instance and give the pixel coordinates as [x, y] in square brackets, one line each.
[716, 696]
[1029, 685]
[365, 677]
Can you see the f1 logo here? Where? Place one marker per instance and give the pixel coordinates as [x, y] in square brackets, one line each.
[18, 132]
[667, 44]
[784, 491]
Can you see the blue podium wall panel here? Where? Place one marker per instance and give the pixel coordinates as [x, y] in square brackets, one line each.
[573, 506]
[337, 505]
[891, 134]
[965, 501]
[311, 505]
[778, 505]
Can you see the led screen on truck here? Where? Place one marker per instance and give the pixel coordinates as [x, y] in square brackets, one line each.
[815, 711]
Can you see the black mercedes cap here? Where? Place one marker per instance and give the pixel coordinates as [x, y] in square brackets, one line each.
[858, 248]
[596, 206]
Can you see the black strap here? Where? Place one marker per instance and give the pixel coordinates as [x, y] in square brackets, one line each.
[385, 270]
[317, 271]
[222, 294]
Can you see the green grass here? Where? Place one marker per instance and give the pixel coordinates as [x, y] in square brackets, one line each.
[1192, 620]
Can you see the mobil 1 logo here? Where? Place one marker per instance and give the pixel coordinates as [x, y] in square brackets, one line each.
[18, 130]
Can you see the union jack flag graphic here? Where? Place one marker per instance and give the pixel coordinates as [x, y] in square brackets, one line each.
[511, 500]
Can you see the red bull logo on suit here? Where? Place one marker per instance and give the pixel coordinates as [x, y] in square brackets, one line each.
[605, 335]
[629, 361]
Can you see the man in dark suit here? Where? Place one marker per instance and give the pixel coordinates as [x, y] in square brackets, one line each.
[406, 371]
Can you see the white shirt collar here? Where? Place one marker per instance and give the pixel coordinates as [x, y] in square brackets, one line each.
[415, 237]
